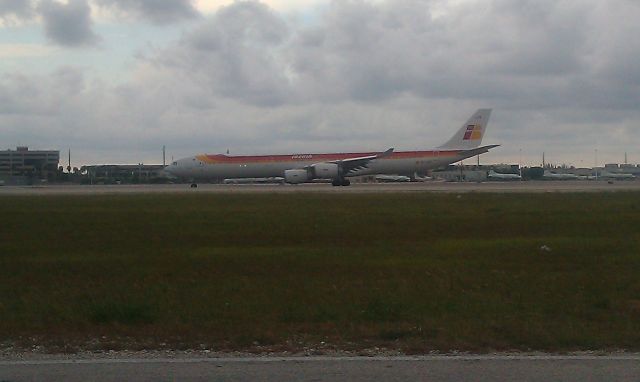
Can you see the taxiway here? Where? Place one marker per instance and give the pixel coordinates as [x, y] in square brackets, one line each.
[425, 368]
[499, 187]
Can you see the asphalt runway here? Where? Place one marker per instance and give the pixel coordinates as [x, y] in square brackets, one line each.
[354, 369]
[506, 187]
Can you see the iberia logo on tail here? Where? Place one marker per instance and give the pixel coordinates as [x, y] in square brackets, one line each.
[474, 132]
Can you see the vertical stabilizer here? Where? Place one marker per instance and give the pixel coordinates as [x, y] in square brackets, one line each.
[470, 135]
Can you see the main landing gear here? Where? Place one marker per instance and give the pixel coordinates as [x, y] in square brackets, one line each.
[340, 182]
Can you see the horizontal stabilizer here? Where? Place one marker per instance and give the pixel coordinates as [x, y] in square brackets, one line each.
[478, 150]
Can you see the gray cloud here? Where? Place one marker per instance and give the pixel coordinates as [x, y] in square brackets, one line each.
[157, 11]
[71, 24]
[238, 53]
[17, 8]
[562, 77]
[369, 52]
[68, 24]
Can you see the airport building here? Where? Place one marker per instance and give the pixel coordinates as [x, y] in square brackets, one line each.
[122, 173]
[21, 164]
[472, 173]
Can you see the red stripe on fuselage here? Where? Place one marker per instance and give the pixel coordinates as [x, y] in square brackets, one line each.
[226, 159]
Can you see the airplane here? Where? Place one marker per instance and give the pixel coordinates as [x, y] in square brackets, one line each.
[616, 175]
[337, 167]
[548, 175]
[277, 179]
[402, 178]
[392, 178]
[492, 175]
[418, 178]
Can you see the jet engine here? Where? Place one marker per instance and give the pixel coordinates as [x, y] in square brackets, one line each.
[296, 176]
[326, 171]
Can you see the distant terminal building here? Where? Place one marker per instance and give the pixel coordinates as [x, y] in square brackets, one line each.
[122, 173]
[23, 163]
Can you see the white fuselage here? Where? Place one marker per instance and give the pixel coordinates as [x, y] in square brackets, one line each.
[499, 176]
[210, 167]
[300, 168]
[616, 175]
[562, 176]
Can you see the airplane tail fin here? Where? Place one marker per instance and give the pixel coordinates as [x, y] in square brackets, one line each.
[470, 135]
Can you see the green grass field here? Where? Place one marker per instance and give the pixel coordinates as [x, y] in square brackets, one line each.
[412, 272]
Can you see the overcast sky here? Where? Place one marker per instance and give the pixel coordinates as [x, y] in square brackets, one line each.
[115, 80]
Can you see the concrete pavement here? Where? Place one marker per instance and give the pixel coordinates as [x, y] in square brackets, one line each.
[423, 368]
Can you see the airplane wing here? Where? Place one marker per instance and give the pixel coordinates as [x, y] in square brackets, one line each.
[354, 164]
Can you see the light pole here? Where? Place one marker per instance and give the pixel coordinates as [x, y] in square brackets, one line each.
[595, 168]
[520, 163]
